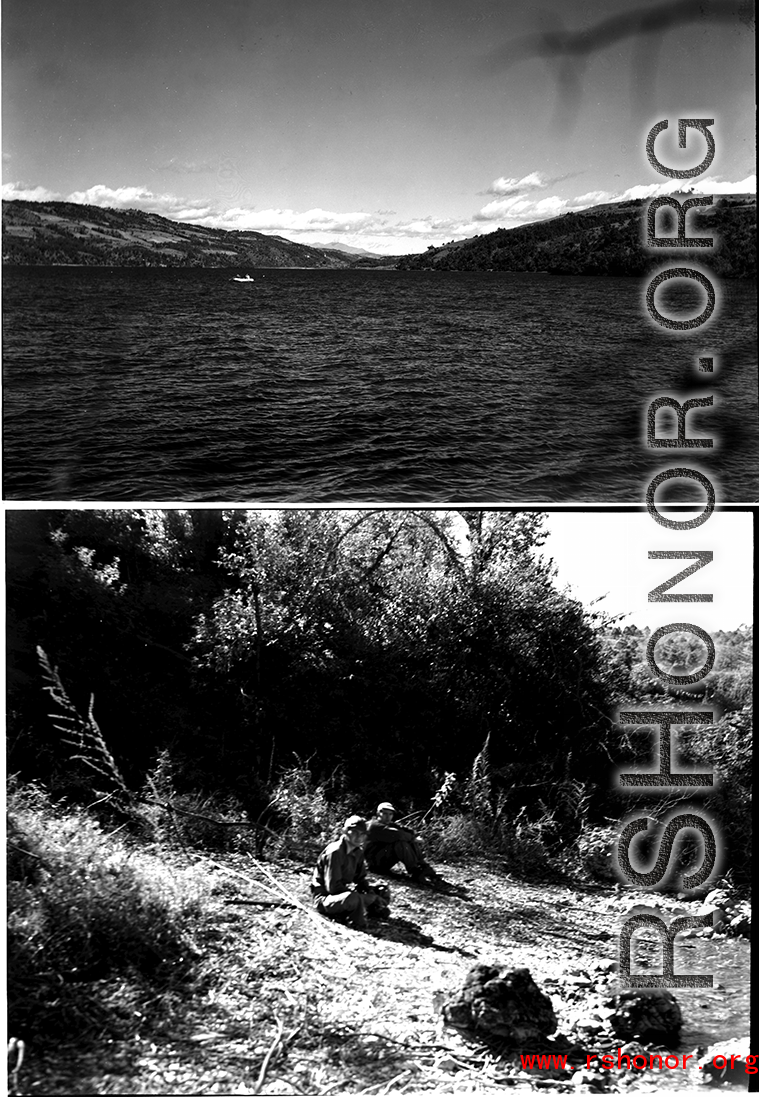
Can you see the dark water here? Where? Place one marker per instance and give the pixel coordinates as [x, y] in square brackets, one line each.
[326, 386]
[709, 1015]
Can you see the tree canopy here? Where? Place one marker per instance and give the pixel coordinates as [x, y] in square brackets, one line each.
[388, 644]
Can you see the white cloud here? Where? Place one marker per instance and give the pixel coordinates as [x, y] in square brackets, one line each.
[503, 186]
[592, 198]
[292, 221]
[167, 205]
[520, 210]
[376, 231]
[426, 226]
[744, 186]
[707, 185]
[401, 237]
[27, 193]
[314, 223]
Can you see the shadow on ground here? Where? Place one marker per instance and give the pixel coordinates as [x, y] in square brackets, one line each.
[405, 932]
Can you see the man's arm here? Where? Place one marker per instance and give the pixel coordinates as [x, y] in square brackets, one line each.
[388, 832]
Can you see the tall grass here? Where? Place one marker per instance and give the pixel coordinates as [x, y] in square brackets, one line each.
[469, 817]
[193, 820]
[307, 816]
[94, 923]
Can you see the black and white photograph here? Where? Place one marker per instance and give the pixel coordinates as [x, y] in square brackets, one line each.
[293, 252]
[380, 464]
[327, 801]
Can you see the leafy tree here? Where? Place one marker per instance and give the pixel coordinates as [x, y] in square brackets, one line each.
[111, 596]
[389, 645]
[394, 642]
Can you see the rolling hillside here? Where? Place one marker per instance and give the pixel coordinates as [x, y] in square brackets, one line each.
[55, 233]
[604, 239]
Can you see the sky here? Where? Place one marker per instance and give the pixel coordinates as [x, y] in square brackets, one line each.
[605, 556]
[391, 126]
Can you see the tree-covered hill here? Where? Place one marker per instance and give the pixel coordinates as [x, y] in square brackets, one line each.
[605, 240]
[66, 233]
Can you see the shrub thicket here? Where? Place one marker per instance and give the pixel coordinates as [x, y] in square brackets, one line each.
[89, 918]
[306, 814]
[472, 817]
[191, 819]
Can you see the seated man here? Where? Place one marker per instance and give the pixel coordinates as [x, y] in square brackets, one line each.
[388, 843]
[339, 885]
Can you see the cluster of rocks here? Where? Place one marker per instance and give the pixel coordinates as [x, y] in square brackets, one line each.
[591, 1008]
[731, 915]
[509, 1006]
[581, 1013]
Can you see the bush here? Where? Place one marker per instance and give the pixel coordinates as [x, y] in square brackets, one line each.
[485, 826]
[726, 746]
[596, 848]
[85, 908]
[209, 823]
[308, 820]
[520, 842]
[524, 846]
[201, 822]
[456, 837]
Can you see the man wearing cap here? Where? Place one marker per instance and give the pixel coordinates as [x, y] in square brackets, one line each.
[389, 843]
[339, 884]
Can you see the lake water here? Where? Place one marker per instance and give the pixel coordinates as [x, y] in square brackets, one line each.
[710, 1016]
[359, 386]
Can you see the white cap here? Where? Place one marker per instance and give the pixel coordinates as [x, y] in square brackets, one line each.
[386, 806]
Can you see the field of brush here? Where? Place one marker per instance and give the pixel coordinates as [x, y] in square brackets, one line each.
[139, 968]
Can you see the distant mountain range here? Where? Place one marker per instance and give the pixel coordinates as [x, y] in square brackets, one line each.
[605, 239]
[336, 245]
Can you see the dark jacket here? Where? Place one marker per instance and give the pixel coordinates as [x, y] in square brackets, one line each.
[337, 867]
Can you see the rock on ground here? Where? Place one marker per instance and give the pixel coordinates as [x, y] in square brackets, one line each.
[652, 1015]
[505, 1004]
[735, 1051]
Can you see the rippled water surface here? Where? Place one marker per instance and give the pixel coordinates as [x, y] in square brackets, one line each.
[709, 1015]
[330, 386]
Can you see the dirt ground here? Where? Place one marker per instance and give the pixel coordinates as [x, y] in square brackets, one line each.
[289, 1003]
